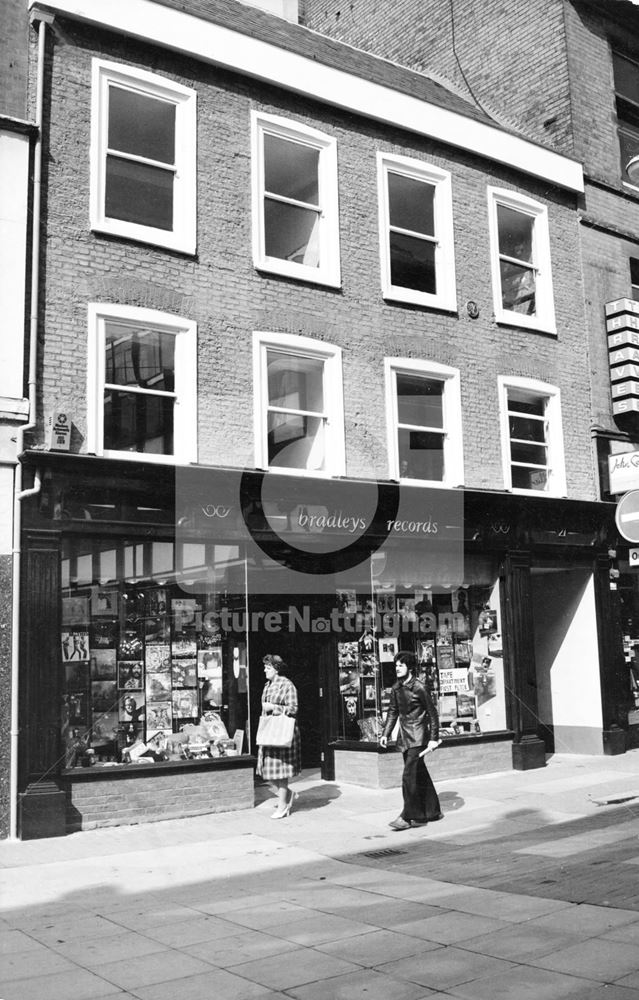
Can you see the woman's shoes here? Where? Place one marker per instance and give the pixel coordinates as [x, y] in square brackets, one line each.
[282, 813]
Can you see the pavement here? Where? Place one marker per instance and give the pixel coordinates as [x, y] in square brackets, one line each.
[528, 888]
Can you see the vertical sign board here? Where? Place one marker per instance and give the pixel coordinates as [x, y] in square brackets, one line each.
[622, 328]
[627, 516]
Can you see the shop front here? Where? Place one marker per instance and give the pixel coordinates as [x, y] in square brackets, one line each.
[151, 594]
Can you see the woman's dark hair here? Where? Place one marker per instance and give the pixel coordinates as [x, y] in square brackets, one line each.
[409, 659]
[275, 661]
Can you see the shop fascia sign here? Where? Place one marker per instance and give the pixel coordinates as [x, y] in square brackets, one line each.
[623, 471]
[220, 501]
[622, 328]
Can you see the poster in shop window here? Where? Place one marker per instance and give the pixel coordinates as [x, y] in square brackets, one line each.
[75, 645]
[103, 664]
[158, 658]
[75, 610]
[185, 703]
[130, 675]
[453, 680]
[158, 687]
[184, 672]
[104, 602]
[387, 649]
[159, 716]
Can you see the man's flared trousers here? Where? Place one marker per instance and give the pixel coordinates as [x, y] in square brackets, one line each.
[421, 802]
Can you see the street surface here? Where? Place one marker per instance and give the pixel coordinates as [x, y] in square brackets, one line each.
[528, 888]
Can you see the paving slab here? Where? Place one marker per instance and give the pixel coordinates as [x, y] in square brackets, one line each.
[527, 888]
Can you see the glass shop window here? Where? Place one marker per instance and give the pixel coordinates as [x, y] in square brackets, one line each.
[456, 636]
[150, 670]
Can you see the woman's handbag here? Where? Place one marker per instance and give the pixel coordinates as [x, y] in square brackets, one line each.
[275, 731]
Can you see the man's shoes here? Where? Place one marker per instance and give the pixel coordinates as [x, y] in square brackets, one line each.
[419, 822]
[400, 824]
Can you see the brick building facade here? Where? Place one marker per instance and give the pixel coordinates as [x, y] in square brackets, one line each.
[288, 322]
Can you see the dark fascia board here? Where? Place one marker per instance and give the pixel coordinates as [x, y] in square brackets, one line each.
[17, 125]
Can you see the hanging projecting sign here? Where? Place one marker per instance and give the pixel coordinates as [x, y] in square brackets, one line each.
[623, 471]
[622, 327]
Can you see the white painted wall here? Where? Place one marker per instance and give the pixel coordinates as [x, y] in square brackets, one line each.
[14, 167]
[567, 659]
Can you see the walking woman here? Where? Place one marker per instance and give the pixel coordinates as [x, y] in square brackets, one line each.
[278, 765]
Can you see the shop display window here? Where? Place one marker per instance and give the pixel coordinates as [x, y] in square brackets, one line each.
[148, 674]
[455, 634]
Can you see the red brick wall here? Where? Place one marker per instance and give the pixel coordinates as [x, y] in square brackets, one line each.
[153, 796]
[229, 300]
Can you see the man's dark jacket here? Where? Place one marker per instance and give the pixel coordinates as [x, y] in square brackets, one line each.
[411, 703]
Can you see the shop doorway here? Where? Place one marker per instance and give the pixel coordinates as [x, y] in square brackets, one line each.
[567, 660]
[305, 653]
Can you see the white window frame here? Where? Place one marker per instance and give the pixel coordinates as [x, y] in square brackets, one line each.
[452, 418]
[328, 273]
[556, 486]
[183, 235]
[185, 409]
[333, 399]
[544, 318]
[446, 296]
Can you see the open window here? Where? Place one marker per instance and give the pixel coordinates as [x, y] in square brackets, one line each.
[299, 418]
[521, 270]
[295, 204]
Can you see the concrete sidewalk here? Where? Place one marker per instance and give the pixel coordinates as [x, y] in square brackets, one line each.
[528, 887]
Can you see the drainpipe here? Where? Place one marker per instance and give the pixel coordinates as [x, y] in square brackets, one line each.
[20, 494]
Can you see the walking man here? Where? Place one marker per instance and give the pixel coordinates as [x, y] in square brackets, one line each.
[412, 704]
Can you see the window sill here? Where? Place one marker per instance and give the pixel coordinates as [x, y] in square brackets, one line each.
[147, 236]
[307, 275]
[520, 323]
[306, 473]
[431, 484]
[551, 494]
[438, 303]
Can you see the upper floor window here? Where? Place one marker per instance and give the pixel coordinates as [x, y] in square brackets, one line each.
[142, 384]
[634, 277]
[520, 249]
[532, 437]
[299, 416]
[295, 204]
[423, 408]
[143, 157]
[416, 232]
[626, 75]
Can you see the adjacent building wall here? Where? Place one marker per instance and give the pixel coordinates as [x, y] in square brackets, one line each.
[499, 55]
